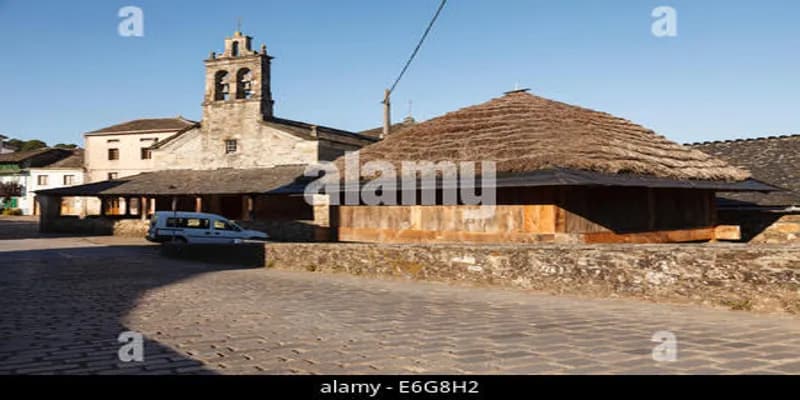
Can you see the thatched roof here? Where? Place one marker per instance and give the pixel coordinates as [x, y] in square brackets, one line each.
[523, 133]
[188, 182]
[773, 159]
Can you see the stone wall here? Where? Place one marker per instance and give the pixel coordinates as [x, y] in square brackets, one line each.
[743, 277]
[764, 227]
[288, 231]
[98, 226]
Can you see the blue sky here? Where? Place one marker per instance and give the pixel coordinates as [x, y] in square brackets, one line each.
[733, 70]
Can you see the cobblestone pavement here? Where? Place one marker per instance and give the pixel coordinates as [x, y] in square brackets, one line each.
[66, 300]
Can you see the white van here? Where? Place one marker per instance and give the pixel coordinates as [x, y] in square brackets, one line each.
[192, 227]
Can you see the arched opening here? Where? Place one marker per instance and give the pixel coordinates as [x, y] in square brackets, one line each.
[235, 49]
[244, 84]
[221, 86]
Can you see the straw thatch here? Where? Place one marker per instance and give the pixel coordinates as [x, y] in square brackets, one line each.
[524, 133]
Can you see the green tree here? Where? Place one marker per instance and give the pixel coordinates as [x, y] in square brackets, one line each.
[66, 146]
[32, 145]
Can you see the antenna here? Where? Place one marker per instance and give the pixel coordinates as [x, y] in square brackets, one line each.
[238, 24]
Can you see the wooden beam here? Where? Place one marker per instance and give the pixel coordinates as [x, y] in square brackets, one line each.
[728, 232]
[674, 236]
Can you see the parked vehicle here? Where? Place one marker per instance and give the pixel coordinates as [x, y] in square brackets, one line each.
[192, 227]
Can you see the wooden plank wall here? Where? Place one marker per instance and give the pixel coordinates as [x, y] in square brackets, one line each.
[596, 215]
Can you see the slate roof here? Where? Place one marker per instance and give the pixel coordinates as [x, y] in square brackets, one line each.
[74, 161]
[188, 182]
[773, 159]
[20, 156]
[147, 125]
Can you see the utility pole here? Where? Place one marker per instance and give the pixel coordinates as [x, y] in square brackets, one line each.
[387, 113]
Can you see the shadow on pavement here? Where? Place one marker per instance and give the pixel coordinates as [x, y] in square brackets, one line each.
[64, 309]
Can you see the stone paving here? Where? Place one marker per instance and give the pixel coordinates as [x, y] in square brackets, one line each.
[66, 300]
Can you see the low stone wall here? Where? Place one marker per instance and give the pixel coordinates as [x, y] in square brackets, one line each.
[742, 277]
[289, 231]
[98, 226]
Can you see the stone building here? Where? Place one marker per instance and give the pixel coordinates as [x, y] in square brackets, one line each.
[764, 217]
[222, 164]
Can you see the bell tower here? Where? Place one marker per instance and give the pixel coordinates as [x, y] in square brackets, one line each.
[237, 82]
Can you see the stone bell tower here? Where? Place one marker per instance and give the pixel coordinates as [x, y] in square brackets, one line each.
[237, 83]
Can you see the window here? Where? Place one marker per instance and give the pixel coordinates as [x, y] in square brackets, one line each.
[224, 226]
[146, 153]
[113, 175]
[113, 154]
[191, 223]
[41, 180]
[69, 180]
[231, 146]
[112, 141]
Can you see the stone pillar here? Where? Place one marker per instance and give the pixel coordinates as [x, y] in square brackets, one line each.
[321, 205]
[198, 204]
[153, 205]
[49, 211]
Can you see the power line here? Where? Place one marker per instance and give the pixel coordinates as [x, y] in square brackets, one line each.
[416, 49]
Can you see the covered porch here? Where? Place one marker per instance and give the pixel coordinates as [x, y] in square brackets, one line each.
[126, 204]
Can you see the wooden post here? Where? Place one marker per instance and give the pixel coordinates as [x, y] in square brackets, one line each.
[152, 207]
[247, 208]
[198, 204]
[102, 206]
[174, 203]
[144, 205]
[651, 209]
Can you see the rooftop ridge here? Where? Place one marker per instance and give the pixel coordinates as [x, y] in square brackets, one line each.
[740, 140]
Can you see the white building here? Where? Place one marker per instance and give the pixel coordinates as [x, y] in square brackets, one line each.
[4, 147]
[43, 169]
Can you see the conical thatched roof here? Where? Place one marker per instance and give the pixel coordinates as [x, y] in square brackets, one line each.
[523, 133]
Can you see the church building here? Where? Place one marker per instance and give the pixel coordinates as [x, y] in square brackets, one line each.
[222, 164]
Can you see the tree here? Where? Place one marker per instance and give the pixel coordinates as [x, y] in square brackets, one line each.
[32, 145]
[66, 146]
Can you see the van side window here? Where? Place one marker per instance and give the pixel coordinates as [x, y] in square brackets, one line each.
[191, 223]
[223, 226]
